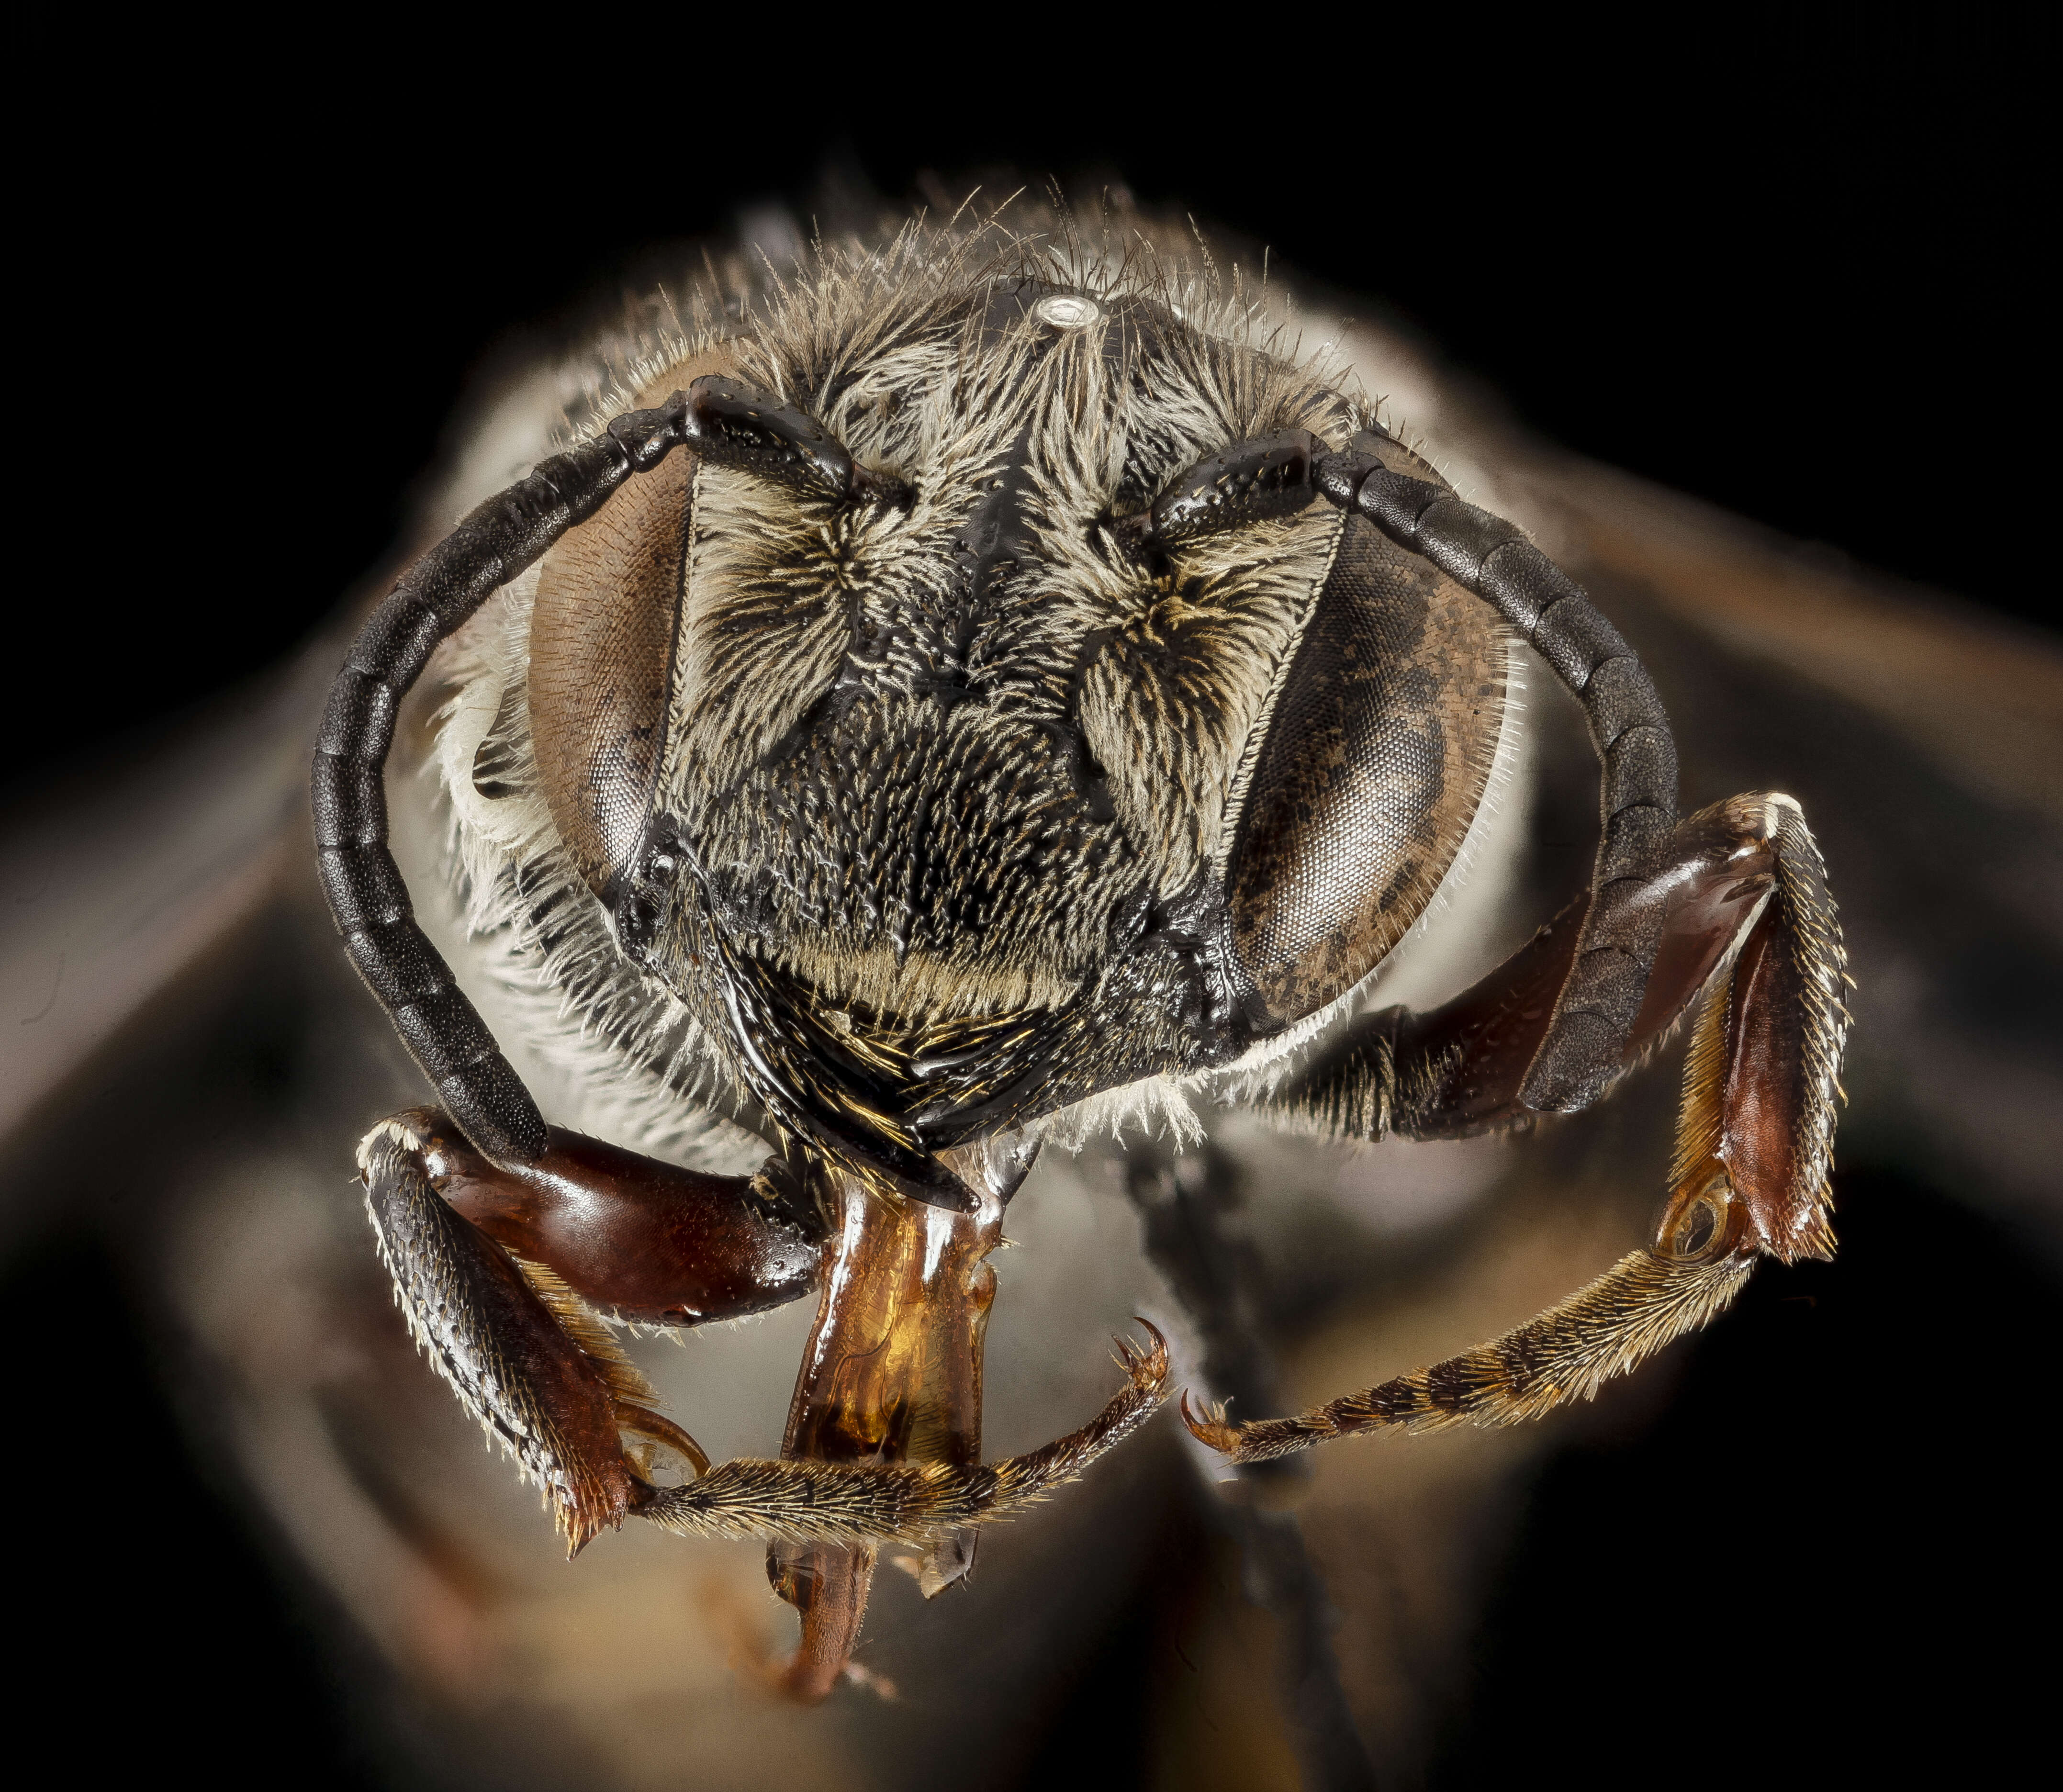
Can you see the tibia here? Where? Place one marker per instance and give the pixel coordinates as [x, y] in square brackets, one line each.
[524, 1357]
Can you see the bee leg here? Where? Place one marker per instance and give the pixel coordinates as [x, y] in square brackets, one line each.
[1741, 910]
[637, 1238]
[499, 1271]
[516, 1338]
[852, 1504]
[1465, 1067]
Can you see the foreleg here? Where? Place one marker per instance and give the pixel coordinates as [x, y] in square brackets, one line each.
[517, 1337]
[1463, 1068]
[637, 1238]
[525, 1357]
[910, 1502]
[1754, 1141]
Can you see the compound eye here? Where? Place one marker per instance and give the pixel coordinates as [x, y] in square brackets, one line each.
[602, 632]
[1374, 757]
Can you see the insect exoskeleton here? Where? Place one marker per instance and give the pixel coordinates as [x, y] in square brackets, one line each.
[940, 816]
[963, 698]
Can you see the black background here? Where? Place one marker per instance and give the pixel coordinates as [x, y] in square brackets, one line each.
[1786, 266]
